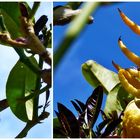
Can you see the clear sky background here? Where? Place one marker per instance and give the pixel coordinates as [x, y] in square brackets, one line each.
[10, 126]
[99, 42]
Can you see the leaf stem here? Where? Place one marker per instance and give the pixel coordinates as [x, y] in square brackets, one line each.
[33, 11]
[36, 98]
[27, 61]
[3, 104]
[75, 28]
[2, 25]
[31, 124]
[36, 93]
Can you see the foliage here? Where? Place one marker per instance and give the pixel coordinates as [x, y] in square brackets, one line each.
[69, 126]
[29, 38]
[120, 89]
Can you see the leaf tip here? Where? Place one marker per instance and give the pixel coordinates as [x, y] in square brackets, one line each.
[119, 10]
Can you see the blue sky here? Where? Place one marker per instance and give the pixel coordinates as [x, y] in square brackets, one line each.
[10, 125]
[99, 42]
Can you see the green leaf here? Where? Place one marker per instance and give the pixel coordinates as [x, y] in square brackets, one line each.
[57, 129]
[96, 74]
[117, 100]
[124, 97]
[21, 83]
[11, 14]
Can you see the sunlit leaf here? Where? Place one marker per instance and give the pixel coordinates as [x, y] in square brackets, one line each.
[116, 100]
[21, 83]
[96, 74]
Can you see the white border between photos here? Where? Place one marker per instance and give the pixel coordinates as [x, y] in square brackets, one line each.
[72, 0]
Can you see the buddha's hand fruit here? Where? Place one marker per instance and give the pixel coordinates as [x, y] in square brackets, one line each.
[131, 120]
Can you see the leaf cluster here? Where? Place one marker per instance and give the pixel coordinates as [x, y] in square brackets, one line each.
[70, 126]
[27, 79]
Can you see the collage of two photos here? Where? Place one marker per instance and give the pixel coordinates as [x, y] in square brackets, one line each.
[69, 69]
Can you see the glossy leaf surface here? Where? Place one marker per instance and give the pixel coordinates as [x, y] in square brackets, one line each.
[11, 14]
[68, 117]
[21, 83]
[93, 104]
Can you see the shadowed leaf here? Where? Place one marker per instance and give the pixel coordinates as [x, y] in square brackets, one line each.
[64, 123]
[93, 104]
[110, 128]
[101, 126]
[71, 120]
[58, 131]
[78, 109]
[23, 10]
[82, 105]
[20, 83]
[11, 13]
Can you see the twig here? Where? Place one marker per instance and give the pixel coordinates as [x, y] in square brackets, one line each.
[33, 11]
[36, 93]
[76, 26]
[3, 104]
[31, 124]
[74, 5]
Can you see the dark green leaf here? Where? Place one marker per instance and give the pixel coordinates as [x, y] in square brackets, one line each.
[78, 109]
[96, 75]
[11, 13]
[21, 82]
[93, 104]
[82, 105]
[64, 124]
[111, 127]
[103, 115]
[57, 129]
[41, 22]
[101, 126]
[81, 119]
[71, 119]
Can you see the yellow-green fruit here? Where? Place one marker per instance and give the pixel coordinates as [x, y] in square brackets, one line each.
[131, 121]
